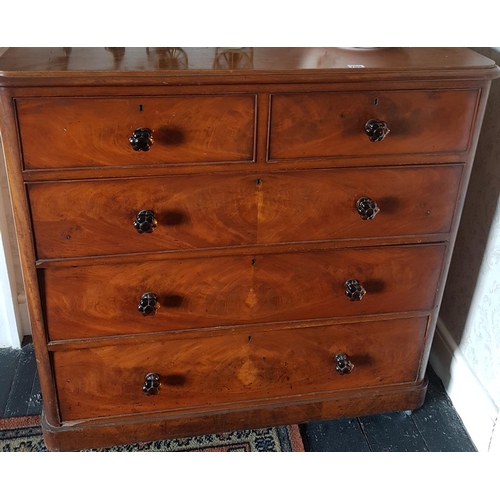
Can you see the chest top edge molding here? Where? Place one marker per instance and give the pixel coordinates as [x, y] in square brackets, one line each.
[181, 66]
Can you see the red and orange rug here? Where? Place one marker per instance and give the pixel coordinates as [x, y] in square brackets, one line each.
[25, 434]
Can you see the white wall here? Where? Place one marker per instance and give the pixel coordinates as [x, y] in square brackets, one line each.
[14, 322]
[466, 351]
[10, 323]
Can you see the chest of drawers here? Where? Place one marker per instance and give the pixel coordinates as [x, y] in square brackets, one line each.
[225, 239]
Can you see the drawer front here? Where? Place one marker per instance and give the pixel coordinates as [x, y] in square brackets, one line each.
[202, 372]
[74, 219]
[331, 124]
[322, 204]
[89, 132]
[103, 300]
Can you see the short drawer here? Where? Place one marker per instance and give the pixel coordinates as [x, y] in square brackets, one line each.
[90, 132]
[200, 373]
[332, 124]
[83, 218]
[104, 300]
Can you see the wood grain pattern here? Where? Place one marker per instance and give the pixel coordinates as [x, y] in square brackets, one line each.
[78, 219]
[165, 425]
[275, 268]
[76, 132]
[203, 372]
[96, 66]
[198, 293]
[27, 256]
[320, 205]
[74, 219]
[333, 123]
[31, 61]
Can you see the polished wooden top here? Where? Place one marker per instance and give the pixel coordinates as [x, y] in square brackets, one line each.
[69, 66]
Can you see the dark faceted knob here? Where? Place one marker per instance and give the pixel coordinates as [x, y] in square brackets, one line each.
[354, 290]
[148, 304]
[367, 208]
[142, 139]
[376, 130]
[151, 384]
[145, 221]
[343, 365]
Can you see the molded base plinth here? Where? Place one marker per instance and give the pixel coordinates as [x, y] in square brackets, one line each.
[152, 427]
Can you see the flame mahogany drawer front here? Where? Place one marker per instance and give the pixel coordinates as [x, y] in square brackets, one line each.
[228, 239]
[92, 301]
[69, 132]
[73, 219]
[328, 124]
[236, 368]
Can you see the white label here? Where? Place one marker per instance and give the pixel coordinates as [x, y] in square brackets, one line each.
[355, 66]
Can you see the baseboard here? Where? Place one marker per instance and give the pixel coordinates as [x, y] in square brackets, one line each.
[472, 402]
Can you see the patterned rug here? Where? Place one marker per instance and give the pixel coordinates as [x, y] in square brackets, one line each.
[25, 434]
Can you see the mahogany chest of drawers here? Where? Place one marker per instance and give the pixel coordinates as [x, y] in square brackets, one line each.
[222, 239]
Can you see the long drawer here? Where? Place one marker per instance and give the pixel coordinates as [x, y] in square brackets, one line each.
[101, 300]
[230, 369]
[333, 124]
[87, 132]
[83, 218]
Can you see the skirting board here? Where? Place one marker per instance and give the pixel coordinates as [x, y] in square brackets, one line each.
[474, 405]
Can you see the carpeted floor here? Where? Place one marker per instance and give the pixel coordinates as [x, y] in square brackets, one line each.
[25, 434]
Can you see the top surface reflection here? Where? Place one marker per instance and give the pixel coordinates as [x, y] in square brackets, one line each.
[229, 59]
